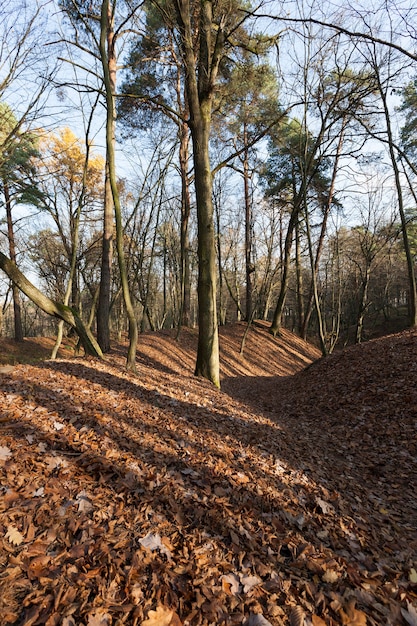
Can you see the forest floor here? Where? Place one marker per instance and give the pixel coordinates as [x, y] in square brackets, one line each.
[288, 497]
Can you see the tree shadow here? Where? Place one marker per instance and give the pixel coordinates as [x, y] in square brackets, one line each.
[253, 499]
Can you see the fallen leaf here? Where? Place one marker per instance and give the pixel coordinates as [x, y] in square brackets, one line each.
[14, 536]
[231, 584]
[5, 453]
[297, 616]
[413, 575]
[352, 617]
[330, 576]
[152, 542]
[163, 616]
[99, 618]
[410, 614]
[257, 619]
[58, 425]
[318, 621]
[249, 582]
[84, 503]
[325, 506]
[39, 493]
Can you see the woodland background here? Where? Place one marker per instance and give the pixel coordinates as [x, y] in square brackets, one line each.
[311, 204]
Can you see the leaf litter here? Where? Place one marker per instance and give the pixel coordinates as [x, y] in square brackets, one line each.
[286, 498]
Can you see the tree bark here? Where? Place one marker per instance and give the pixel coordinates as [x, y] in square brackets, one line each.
[108, 61]
[248, 232]
[103, 309]
[17, 307]
[51, 307]
[199, 89]
[185, 218]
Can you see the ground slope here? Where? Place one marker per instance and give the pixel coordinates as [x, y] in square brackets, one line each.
[288, 495]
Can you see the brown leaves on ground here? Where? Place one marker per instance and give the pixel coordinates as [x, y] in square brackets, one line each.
[286, 498]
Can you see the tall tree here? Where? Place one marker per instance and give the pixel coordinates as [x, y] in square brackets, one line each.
[102, 27]
[246, 108]
[296, 175]
[207, 31]
[154, 91]
[17, 151]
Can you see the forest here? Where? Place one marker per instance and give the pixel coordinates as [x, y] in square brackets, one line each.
[186, 165]
[208, 313]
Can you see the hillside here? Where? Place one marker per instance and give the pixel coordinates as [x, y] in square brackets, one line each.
[287, 498]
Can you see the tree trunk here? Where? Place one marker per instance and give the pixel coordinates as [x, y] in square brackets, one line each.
[185, 218]
[103, 309]
[277, 319]
[326, 213]
[108, 61]
[299, 276]
[199, 88]
[207, 364]
[410, 261]
[363, 304]
[248, 232]
[17, 308]
[51, 307]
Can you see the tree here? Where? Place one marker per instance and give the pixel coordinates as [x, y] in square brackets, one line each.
[154, 91]
[296, 176]
[101, 34]
[17, 150]
[207, 30]
[51, 307]
[71, 179]
[248, 107]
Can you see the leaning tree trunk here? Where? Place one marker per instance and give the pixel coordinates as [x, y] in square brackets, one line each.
[51, 307]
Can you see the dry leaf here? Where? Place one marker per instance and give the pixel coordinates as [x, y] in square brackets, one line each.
[325, 506]
[249, 582]
[413, 575]
[410, 615]
[5, 453]
[318, 621]
[297, 616]
[14, 536]
[152, 542]
[330, 576]
[58, 425]
[352, 617]
[231, 584]
[39, 493]
[257, 619]
[84, 503]
[99, 618]
[163, 616]
[6, 369]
